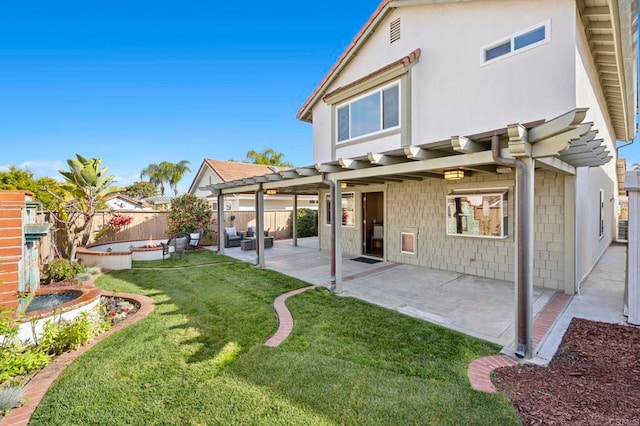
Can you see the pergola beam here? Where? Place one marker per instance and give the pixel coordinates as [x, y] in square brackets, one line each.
[416, 153]
[350, 163]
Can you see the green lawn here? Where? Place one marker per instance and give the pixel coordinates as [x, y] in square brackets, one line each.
[199, 359]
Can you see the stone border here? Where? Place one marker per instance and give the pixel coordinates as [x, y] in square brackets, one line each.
[479, 371]
[35, 389]
[284, 317]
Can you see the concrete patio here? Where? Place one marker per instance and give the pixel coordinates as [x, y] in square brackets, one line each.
[479, 307]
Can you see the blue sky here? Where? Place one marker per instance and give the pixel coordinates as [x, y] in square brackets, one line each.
[139, 82]
[135, 82]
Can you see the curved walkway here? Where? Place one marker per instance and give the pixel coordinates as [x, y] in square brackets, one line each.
[35, 389]
[479, 371]
[284, 317]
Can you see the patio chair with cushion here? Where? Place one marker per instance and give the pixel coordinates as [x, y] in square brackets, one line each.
[179, 242]
[194, 239]
[251, 232]
[232, 237]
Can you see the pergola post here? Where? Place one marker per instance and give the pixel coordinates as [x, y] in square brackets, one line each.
[294, 220]
[260, 227]
[524, 270]
[220, 222]
[336, 207]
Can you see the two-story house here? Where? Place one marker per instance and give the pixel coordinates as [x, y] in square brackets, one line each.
[474, 136]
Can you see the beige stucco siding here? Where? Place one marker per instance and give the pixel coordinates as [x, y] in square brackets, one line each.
[419, 207]
[452, 91]
[589, 181]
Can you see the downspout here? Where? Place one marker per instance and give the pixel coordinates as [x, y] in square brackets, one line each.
[331, 185]
[524, 253]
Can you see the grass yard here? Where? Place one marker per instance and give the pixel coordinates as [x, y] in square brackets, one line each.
[199, 358]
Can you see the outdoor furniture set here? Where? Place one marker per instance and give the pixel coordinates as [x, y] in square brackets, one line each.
[181, 242]
[245, 240]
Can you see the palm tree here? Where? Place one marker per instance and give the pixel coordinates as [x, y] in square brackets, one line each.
[636, 167]
[268, 157]
[158, 174]
[177, 172]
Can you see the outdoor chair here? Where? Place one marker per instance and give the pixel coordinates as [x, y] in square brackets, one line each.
[232, 238]
[179, 242]
[194, 239]
[378, 236]
[251, 232]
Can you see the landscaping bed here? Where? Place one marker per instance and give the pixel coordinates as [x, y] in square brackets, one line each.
[594, 379]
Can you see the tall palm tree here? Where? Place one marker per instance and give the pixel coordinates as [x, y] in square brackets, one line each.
[158, 174]
[268, 157]
[636, 167]
[177, 172]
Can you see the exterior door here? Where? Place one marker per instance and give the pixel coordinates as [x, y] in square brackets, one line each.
[373, 224]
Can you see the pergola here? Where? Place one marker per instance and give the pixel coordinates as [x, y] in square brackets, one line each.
[560, 145]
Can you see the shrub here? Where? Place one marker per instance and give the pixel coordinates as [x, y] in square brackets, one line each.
[188, 213]
[307, 223]
[62, 336]
[10, 398]
[16, 358]
[19, 360]
[61, 270]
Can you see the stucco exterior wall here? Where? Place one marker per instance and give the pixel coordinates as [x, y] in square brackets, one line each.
[589, 181]
[452, 91]
[208, 177]
[419, 207]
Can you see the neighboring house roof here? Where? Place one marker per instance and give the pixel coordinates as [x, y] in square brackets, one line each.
[127, 198]
[159, 199]
[610, 31]
[230, 170]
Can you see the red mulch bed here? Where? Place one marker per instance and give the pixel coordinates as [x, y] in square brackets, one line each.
[594, 379]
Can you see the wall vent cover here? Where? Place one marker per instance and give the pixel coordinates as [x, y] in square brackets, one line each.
[394, 30]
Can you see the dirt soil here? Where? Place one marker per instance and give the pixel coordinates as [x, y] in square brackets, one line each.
[594, 379]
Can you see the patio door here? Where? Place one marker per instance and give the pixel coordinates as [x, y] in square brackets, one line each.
[373, 224]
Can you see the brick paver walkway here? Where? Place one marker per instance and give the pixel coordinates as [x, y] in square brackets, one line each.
[284, 317]
[479, 371]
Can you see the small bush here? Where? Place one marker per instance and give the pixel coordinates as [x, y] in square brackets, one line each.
[307, 223]
[61, 270]
[19, 360]
[10, 398]
[62, 336]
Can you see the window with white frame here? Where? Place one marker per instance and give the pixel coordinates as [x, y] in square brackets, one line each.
[348, 209]
[477, 215]
[369, 114]
[601, 215]
[519, 42]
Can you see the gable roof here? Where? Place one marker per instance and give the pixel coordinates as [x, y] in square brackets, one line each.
[233, 170]
[230, 170]
[615, 63]
[125, 197]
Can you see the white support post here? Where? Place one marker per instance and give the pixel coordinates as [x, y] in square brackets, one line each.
[337, 211]
[524, 272]
[260, 227]
[570, 281]
[633, 258]
[294, 220]
[220, 223]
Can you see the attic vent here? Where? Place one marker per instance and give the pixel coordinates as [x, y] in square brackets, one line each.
[394, 30]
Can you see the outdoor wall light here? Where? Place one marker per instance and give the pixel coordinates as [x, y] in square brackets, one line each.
[343, 185]
[454, 174]
[271, 192]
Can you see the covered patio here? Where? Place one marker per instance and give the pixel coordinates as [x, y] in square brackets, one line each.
[559, 146]
[475, 306]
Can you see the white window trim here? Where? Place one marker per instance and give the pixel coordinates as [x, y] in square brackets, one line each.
[502, 215]
[511, 39]
[328, 213]
[402, 233]
[364, 95]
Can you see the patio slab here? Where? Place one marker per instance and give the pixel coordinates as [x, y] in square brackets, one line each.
[480, 307]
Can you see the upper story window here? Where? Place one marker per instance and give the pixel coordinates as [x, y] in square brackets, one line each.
[519, 42]
[369, 114]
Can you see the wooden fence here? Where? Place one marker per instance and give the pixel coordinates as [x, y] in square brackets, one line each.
[153, 225]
